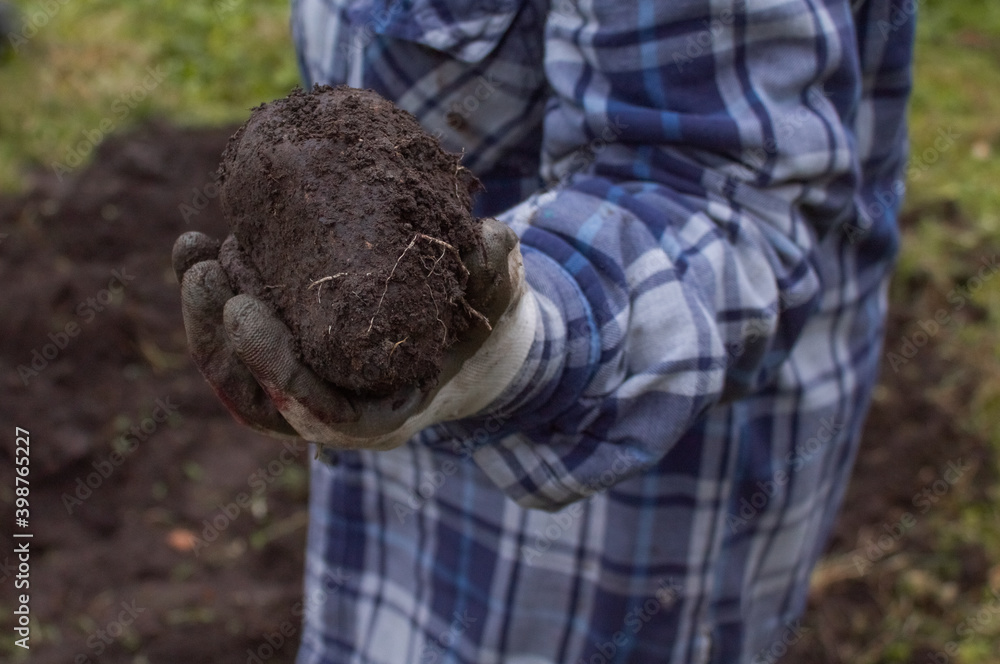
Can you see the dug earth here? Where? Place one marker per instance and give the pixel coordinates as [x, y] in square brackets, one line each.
[351, 223]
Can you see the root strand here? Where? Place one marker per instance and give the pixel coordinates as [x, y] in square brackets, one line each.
[446, 248]
[320, 282]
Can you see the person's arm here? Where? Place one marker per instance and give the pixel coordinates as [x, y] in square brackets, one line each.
[703, 151]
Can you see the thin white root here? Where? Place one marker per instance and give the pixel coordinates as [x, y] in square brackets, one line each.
[371, 323]
[475, 314]
[320, 282]
[397, 345]
[435, 265]
[437, 314]
[447, 247]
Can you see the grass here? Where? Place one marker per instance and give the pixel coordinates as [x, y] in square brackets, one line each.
[82, 73]
[955, 202]
[86, 69]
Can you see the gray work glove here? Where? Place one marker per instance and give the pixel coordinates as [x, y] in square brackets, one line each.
[247, 354]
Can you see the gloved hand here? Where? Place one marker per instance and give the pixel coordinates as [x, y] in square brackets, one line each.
[247, 354]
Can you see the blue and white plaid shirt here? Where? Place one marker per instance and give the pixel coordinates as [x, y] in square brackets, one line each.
[706, 193]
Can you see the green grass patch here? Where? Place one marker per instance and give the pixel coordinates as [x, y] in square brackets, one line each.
[82, 69]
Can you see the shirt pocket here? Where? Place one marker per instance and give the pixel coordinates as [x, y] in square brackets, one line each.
[466, 31]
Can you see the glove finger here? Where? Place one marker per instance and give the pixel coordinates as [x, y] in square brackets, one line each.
[190, 248]
[495, 281]
[204, 293]
[266, 347]
[318, 410]
[489, 287]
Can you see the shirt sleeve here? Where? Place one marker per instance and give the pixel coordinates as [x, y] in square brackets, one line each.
[697, 152]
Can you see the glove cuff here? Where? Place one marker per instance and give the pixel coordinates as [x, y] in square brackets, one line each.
[486, 374]
[490, 371]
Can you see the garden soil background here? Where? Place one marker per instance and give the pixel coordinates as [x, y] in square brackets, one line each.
[159, 525]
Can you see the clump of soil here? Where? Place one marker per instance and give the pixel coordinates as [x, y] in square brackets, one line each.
[351, 223]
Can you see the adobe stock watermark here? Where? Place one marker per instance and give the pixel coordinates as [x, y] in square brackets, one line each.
[461, 110]
[900, 15]
[7, 569]
[313, 599]
[99, 640]
[699, 44]
[120, 108]
[364, 35]
[223, 7]
[258, 482]
[791, 635]
[85, 312]
[984, 619]
[200, 198]
[891, 198]
[795, 461]
[944, 141]
[562, 521]
[568, 8]
[759, 329]
[914, 339]
[434, 651]
[664, 597]
[35, 18]
[785, 129]
[431, 482]
[582, 157]
[125, 445]
[877, 547]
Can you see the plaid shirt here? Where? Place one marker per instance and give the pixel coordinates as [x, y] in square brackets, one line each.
[706, 193]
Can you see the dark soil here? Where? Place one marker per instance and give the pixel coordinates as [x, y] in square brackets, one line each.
[142, 535]
[350, 222]
[94, 252]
